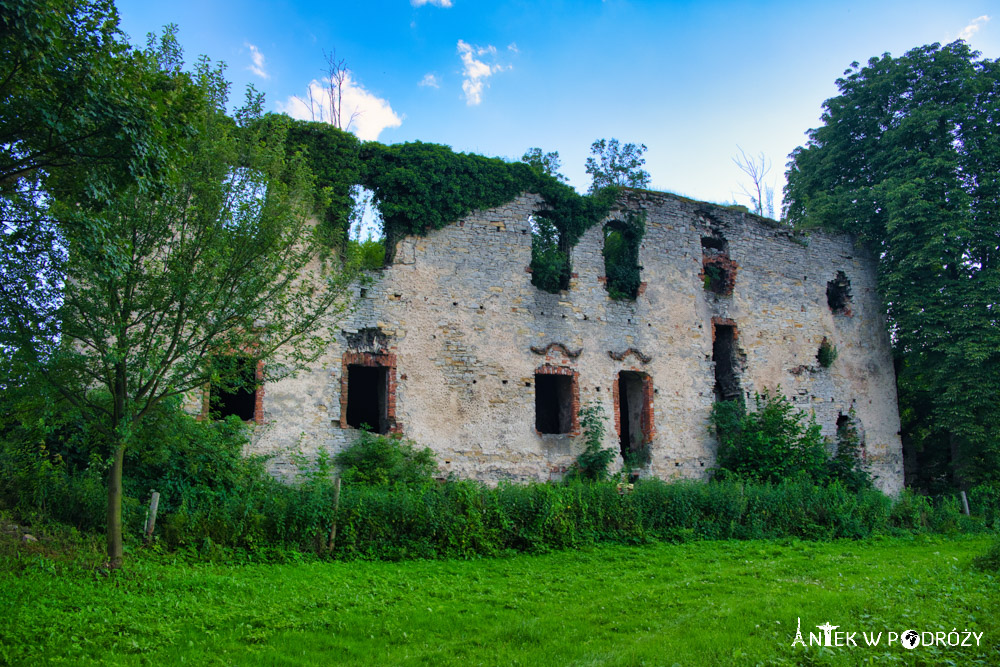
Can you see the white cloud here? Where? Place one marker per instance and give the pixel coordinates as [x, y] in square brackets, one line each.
[257, 64]
[973, 27]
[436, 3]
[476, 71]
[513, 47]
[430, 80]
[371, 114]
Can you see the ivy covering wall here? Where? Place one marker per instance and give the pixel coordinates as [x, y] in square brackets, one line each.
[419, 187]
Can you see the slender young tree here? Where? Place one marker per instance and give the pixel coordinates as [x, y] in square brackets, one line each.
[760, 194]
[218, 259]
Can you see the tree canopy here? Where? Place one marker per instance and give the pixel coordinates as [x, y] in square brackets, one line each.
[613, 164]
[908, 158]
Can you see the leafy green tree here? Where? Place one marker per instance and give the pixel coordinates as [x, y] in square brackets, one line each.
[908, 158]
[68, 93]
[217, 259]
[545, 163]
[616, 165]
[73, 98]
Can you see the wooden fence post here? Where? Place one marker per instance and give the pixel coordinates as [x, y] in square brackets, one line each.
[965, 503]
[154, 503]
[336, 507]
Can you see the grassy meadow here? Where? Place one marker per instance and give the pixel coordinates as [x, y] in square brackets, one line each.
[698, 603]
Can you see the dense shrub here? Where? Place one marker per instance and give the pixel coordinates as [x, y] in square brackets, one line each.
[370, 253]
[771, 443]
[775, 441]
[375, 459]
[217, 503]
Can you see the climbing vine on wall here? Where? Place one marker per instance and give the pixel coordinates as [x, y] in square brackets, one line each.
[419, 187]
[334, 158]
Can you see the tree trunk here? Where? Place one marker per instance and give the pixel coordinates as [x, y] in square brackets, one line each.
[115, 555]
[956, 462]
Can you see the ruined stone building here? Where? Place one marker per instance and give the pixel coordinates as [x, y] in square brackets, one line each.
[452, 346]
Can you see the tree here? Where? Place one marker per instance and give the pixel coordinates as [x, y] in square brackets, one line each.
[160, 283]
[612, 164]
[760, 194]
[908, 158]
[65, 93]
[545, 163]
[330, 110]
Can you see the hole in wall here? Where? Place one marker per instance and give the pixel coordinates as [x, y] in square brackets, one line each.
[553, 403]
[838, 294]
[238, 395]
[718, 270]
[726, 358]
[367, 397]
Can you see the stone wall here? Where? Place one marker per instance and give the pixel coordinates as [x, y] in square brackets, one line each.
[461, 332]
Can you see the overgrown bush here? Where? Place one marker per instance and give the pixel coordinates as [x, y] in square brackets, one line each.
[776, 441]
[826, 354]
[769, 444]
[375, 460]
[370, 253]
[592, 464]
[990, 561]
[216, 503]
[55, 464]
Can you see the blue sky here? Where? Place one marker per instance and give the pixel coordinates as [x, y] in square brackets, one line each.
[691, 80]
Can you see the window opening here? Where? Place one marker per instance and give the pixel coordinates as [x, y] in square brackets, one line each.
[634, 416]
[621, 259]
[550, 265]
[718, 270]
[236, 391]
[843, 423]
[838, 294]
[367, 394]
[553, 403]
[726, 358]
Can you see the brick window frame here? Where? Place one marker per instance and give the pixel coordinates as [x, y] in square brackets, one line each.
[648, 426]
[258, 397]
[371, 360]
[548, 369]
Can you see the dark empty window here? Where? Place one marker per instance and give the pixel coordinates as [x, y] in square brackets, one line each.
[367, 397]
[726, 358]
[843, 423]
[838, 294]
[634, 415]
[234, 392]
[553, 403]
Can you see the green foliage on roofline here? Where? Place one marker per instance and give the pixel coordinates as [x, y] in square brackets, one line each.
[419, 186]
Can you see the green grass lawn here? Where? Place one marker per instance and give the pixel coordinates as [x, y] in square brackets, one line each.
[701, 603]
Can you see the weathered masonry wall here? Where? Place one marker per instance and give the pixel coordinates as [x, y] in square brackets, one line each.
[458, 337]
